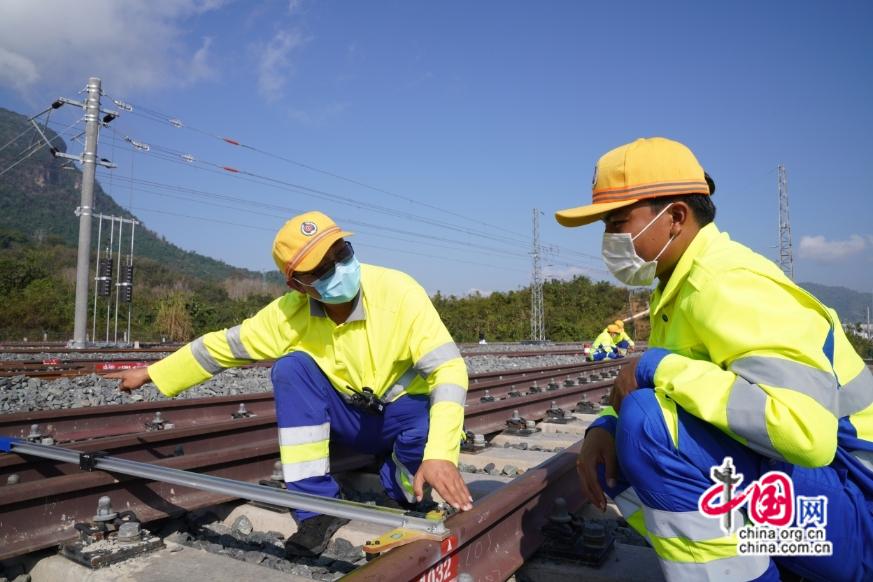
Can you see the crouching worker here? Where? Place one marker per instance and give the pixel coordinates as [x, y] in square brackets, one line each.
[623, 341]
[749, 414]
[363, 360]
[604, 344]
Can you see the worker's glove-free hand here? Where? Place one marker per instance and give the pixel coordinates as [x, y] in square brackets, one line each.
[598, 448]
[130, 379]
[625, 383]
[444, 477]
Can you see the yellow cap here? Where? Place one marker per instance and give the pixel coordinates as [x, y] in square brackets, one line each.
[646, 168]
[619, 323]
[302, 242]
[612, 328]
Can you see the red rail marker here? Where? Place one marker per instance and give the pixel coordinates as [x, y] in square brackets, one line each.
[446, 569]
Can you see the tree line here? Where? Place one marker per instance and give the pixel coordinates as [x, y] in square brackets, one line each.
[37, 282]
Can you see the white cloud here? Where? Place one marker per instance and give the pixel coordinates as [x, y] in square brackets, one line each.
[17, 70]
[201, 69]
[818, 248]
[130, 45]
[275, 67]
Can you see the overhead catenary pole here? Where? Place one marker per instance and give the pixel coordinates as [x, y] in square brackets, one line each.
[86, 207]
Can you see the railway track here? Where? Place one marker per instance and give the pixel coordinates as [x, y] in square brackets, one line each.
[44, 499]
[57, 367]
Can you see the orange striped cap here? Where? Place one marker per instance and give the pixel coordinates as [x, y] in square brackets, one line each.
[646, 168]
[303, 241]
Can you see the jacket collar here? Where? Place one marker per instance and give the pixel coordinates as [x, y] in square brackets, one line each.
[701, 242]
[316, 308]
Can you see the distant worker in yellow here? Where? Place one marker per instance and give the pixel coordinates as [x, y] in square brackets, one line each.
[604, 345]
[624, 343]
[363, 359]
[749, 408]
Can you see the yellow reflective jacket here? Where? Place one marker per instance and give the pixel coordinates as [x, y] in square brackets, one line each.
[605, 340]
[736, 343]
[622, 335]
[393, 342]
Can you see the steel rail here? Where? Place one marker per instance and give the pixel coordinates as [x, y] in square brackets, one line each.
[38, 514]
[499, 384]
[488, 417]
[55, 494]
[394, 518]
[492, 540]
[73, 424]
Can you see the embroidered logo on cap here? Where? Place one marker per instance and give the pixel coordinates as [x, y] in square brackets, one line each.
[308, 228]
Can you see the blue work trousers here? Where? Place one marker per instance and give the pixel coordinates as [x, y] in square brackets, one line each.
[307, 404]
[668, 480]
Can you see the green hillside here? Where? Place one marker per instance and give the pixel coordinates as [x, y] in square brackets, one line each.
[180, 294]
[38, 198]
[851, 305]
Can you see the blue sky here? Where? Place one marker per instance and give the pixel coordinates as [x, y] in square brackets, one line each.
[439, 126]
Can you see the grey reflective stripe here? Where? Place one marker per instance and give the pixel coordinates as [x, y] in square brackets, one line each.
[400, 387]
[302, 435]
[745, 416]
[857, 393]
[628, 502]
[690, 525]
[237, 348]
[733, 568]
[436, 358]
[819, 385]
[865, 458]
[448, 393]
[400, 471]
[304, 469]
[204, 358]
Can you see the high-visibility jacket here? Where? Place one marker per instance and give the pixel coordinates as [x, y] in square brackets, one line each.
[393, 342]
[747, 350]
[622, 335]
[604, 340]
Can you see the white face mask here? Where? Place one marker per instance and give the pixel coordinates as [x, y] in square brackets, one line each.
[624, 263]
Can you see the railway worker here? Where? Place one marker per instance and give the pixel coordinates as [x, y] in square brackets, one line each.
[604, 344]
[623, 341]
[741, 363]
[363, 360]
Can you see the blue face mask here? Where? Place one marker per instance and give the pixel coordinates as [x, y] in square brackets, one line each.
[343, 284]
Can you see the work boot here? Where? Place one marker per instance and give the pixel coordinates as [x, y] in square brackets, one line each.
[313, 536]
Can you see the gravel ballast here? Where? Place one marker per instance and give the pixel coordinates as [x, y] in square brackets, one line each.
[25, 394]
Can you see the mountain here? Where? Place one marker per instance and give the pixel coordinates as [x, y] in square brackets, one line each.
[851, 305]
[39, 195]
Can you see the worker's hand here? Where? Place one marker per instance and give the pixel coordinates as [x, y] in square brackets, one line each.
[625, 383]
[130, 379]
[598, 448]
[446, 479]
